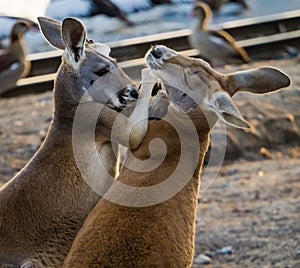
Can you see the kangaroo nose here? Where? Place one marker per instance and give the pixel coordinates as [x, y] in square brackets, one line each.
[156, 52]
[134, 94]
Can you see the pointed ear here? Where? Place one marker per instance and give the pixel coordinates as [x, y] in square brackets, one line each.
[223, 106]
[74, 34]
[261, 80]
[51, 31]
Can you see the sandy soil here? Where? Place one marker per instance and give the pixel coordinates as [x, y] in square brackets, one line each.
[250, 216]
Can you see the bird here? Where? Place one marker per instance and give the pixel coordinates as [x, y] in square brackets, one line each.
[13, 63]
[216, 46]
[110, 9]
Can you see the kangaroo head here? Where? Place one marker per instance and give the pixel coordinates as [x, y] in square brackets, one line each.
[192, 83]
[87, 73]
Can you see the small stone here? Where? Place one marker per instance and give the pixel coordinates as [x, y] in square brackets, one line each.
[18, 123]
[211, 254]
[226, 250]
[202, 259]
[19, 152]
[235, 177]
[43, 132]
[231, 171]
[260, 173]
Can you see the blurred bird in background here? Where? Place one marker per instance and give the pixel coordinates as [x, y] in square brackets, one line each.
[80, 8]
[216, 46]
[111, 8]
[13, 63]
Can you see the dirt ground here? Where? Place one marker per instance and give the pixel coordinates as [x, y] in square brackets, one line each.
[250, 215]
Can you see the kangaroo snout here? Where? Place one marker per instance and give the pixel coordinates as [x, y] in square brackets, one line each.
[159, 54]
[127, 95]
[156, 52]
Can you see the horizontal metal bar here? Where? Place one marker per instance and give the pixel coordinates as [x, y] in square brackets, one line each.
[268, 39]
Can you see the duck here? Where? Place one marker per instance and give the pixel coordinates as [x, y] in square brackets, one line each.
[13, 59]
[216, 46]
[82, 8]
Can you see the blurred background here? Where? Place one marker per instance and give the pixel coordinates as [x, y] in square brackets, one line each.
[148, 17]
[249, 216]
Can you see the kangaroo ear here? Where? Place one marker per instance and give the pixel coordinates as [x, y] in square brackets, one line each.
[74, 34]
[222, 105]
[51, 31]
[261, 80]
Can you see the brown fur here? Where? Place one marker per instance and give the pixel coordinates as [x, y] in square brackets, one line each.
[162, 235]
[44, 205]
[119, 236]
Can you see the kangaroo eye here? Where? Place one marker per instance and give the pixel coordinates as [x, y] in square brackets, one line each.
[101, 72]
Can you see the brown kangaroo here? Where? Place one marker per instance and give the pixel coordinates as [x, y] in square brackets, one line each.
[153, 225]
[44, 205]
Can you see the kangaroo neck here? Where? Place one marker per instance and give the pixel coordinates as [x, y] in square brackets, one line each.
[176, 176]
[58, 135]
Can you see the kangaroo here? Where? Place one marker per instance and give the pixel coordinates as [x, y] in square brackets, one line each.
[44, 205]
[153, 225]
